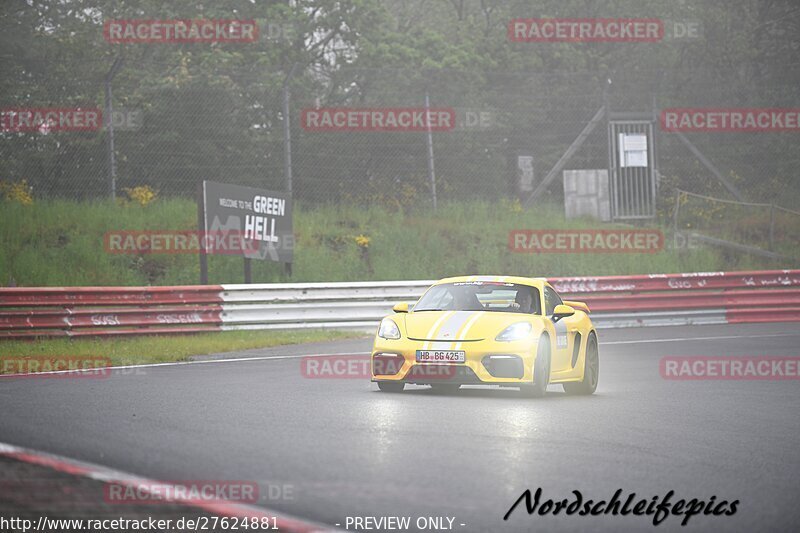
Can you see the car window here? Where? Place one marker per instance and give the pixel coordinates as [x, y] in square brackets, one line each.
[438, 298]
[551, 300]
[481, 296]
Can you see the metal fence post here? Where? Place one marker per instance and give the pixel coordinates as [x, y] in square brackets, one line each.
[677, 210]
[287, 159]
[201, 227]
[109, 123]
[772, 228]
[431, 168]
[287, 132]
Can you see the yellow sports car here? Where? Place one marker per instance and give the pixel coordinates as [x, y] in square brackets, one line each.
[490, 330]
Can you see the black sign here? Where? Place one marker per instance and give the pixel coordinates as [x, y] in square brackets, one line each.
[264, 219]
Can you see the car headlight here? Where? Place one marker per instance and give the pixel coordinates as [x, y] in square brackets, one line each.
[514, 332]
[388, 329]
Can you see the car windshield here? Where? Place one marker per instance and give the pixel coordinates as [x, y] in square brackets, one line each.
[480, 296]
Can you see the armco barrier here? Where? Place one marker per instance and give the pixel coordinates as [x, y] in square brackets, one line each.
[615, 301]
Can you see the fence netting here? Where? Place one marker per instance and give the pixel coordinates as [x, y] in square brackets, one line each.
[178, 123]
[762, 227]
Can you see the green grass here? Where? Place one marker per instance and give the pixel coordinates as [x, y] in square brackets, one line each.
[60, 243]
[156, 349]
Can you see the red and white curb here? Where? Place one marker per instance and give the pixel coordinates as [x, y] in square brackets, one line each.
[103, 474]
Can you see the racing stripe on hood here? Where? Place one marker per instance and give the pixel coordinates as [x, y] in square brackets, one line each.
[450, 329]
[435, 328]
[465, 330]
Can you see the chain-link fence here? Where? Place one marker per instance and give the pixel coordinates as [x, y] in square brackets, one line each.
[764, 229]
[195, 122]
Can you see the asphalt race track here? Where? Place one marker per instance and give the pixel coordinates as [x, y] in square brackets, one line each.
[346, 449]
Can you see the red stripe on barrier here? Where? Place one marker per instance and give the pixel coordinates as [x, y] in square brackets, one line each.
[763, 314]
[95, 317]
[66, 296]
[108, 332]
[671, 282]
[150, 310]
[693, 300]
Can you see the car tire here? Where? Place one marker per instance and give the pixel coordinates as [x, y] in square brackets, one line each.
[445, 388]
[391, 386]
[541, 371]
[591, 371]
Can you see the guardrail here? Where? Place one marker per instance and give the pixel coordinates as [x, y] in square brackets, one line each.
[615, 301]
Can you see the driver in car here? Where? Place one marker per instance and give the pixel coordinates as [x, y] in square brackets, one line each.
[523, 301]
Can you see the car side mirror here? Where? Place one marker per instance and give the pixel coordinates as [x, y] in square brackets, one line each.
[562, 311]
[402, 307]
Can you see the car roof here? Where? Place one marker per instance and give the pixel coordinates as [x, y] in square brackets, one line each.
[533, 282]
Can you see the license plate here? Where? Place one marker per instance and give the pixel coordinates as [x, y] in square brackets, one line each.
[441, 356]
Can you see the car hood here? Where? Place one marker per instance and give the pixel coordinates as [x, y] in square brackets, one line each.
[457, 325]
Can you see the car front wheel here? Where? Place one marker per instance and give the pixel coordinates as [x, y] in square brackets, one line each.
[391, 386]
[541, 371]
[591, 371]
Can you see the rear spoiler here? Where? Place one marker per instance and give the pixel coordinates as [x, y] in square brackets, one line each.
[578, 305]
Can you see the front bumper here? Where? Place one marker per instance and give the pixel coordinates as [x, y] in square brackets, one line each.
[487, 362]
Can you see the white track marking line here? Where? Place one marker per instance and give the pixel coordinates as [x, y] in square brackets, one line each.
[111, 369]
[722, 337]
